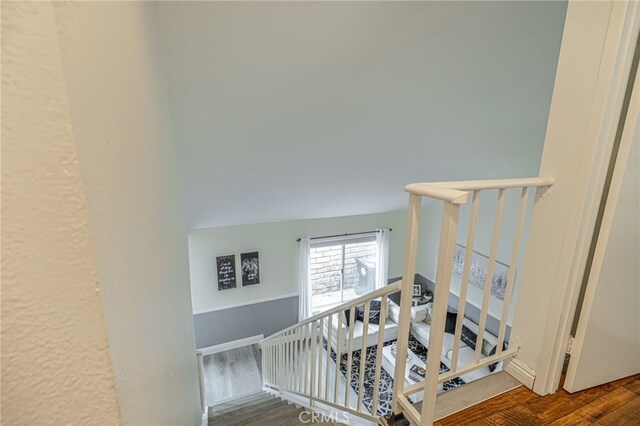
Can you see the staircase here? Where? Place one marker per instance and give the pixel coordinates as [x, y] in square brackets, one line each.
[260, 409]
[296, 361]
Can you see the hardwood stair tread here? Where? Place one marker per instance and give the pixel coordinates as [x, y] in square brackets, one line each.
[274, 410]
[232, 404]
[249, 411]
[261, 409]
[275, 415]
[231, 409]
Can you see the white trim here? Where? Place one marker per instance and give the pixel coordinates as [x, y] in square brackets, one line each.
[203, 404]
[521, 372]
[205, 416]
[237, 305]
[609, 92]
[231, 345]
[630, 133]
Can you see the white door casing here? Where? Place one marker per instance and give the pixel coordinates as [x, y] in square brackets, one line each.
[607, 342]
[593, 69]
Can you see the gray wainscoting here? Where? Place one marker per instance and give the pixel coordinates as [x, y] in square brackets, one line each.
[227, 325]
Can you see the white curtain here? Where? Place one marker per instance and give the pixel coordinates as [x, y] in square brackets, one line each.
[382, 264]
[304, 280]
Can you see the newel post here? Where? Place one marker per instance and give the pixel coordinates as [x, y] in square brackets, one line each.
[408, 274]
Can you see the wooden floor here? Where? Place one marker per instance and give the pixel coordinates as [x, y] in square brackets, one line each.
[232, 374]
[237, 372]
[616, 403]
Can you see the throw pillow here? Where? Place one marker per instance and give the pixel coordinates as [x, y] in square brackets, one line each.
[450, 324]
[359, 313]
[429, 312]
[468, 337]
[419, 313]
[347, 317]
[374, 312]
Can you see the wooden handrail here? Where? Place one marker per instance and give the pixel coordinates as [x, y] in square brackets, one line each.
[456, 192]
[430, 190]
[388, 289]
[477, 185]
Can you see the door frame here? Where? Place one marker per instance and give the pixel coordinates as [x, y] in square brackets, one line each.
[617, 57]
[629, 132]
[591, 80]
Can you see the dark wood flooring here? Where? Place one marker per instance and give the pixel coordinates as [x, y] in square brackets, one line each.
[615, 403]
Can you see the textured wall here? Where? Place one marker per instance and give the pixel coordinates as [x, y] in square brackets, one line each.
[117, 97]
[55, 361]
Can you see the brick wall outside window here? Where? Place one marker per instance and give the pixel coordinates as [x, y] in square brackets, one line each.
[326, 263]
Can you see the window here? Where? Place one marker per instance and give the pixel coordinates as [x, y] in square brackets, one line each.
[341, 269]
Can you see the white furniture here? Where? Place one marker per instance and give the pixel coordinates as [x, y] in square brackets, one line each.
[465, 357]
[390, 332]
[421, 330]
[389, 365]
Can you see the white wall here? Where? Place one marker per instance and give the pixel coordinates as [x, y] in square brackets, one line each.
[430, 236]
[119, 108]
[325, 109]
[55, 359]
[278, 248]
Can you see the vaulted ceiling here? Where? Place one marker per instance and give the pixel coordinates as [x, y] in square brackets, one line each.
[294, 110]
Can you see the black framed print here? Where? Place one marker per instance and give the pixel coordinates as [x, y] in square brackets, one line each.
[250, 266]
[417, 290]
[226, 267]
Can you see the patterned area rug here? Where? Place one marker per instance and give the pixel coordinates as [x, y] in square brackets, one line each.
[386, 381]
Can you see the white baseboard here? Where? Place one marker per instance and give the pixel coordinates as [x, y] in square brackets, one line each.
[231, 345]
[205, 416]
[521, 372]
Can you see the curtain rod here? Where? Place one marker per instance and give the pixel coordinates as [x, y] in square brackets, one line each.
[343, 235]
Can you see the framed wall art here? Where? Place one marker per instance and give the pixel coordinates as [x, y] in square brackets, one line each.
[478, 271]
[250, 266]
[226, 269]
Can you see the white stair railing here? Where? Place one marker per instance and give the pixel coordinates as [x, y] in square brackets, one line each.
[454, 194]
[294, 360]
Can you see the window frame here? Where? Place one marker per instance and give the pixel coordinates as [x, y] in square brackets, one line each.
[343, 241]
